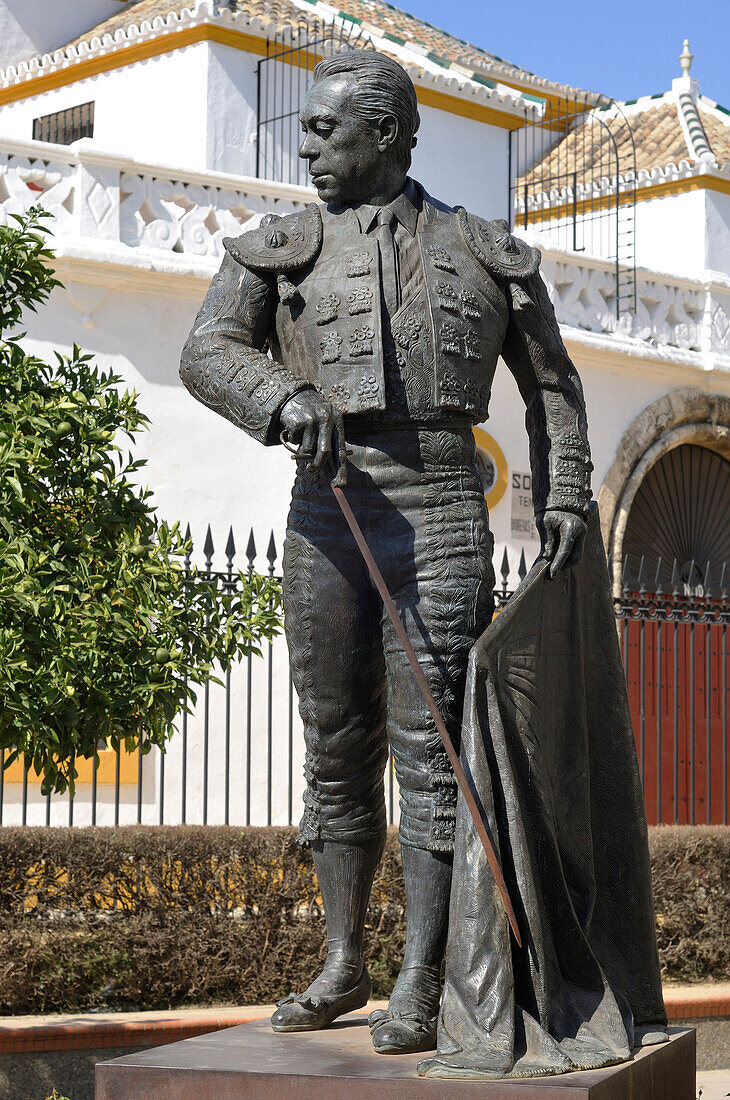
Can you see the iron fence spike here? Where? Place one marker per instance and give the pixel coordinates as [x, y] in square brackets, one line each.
[251, 549]
[271, 550]
[723, 590]
[230, 547]
[640, 578]
[522, 568]
[675, 578]
[504, 567]
[208, 548]
[658, 576]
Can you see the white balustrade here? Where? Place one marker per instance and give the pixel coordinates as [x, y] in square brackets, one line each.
[671, 313]
[100, 198]
[103, 197]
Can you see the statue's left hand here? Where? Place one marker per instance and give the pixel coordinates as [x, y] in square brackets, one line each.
[562, 536]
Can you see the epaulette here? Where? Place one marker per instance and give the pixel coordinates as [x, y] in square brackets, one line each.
[495, 247]
[280, 244]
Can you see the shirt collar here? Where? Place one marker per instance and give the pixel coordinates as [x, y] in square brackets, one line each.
[404, 206]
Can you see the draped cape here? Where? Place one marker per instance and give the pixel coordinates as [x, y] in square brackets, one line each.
[548, 743]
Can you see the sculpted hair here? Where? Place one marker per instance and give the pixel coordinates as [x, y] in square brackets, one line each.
[383, 88]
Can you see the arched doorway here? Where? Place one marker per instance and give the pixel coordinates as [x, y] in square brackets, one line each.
[674, 628]
[678, 528]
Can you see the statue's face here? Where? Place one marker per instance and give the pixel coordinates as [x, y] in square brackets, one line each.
[346, 155]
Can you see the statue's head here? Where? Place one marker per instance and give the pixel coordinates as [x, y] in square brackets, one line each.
[359, 121]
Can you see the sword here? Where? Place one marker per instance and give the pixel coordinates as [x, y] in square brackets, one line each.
[339, 480]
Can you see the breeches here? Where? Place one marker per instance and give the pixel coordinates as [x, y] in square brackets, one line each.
[418, 498]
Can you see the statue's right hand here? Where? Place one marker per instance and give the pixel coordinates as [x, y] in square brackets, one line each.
[309, 420]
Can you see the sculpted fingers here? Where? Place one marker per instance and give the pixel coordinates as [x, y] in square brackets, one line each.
[308, 420]
[548, 534]
[571, 531]
[565, 545]
[325, 428]
[308, 440]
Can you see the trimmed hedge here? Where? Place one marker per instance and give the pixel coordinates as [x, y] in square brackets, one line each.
[149, 917]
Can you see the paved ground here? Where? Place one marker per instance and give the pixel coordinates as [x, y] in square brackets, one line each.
[714, 1084]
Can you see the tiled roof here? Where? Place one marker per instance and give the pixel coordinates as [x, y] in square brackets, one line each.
[137, 10]
[658, 140]
[408, 28]
[588, 148]
[718, 134]
[398, 26]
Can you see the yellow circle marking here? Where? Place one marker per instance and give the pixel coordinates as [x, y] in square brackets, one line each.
[485, 442]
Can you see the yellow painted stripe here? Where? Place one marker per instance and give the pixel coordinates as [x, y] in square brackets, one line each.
[239, 40]
[128, 55]
[106, 774]
[656, 190]
[430, 97]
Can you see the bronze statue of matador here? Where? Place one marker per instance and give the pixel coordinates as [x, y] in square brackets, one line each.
[391, 308]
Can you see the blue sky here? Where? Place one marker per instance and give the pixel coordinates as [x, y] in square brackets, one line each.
[625, 48]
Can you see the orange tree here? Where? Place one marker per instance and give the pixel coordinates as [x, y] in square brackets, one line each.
[103, 635]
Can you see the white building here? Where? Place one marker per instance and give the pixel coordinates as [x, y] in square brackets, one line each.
[188, 131]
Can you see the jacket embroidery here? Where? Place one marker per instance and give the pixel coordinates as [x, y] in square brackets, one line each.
[450, 343]
[330, 346]
[360, 300]
[447, 297]
[441, 259]
[361, 341]
[327, 308]
[358, 264]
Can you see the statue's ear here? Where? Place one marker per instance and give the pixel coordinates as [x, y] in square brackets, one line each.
[387, 131]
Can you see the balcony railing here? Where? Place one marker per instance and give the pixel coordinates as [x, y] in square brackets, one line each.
[672, 314]
[112, 205]
[106, 200]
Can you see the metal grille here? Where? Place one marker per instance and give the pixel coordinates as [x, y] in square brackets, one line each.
[238, 758]
[65, 127]
[675, 653]
[679, 523]
[283, 77]
[573, 183]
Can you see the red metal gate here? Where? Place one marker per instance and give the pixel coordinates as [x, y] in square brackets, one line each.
[676, 660]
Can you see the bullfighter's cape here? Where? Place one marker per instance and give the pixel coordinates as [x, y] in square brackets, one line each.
[548, 742]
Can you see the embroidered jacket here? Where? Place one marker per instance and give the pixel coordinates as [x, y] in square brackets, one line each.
[306, 288]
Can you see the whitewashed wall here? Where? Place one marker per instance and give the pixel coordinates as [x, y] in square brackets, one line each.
[154, 110]
[463, 162]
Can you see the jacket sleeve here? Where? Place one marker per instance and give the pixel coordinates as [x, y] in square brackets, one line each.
[224, 362]
[551, 389]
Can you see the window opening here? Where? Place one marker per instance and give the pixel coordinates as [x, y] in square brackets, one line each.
[65, 127]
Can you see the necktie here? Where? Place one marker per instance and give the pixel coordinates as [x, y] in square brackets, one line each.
[388, 267]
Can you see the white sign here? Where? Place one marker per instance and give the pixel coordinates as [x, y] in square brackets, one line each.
[522, 525]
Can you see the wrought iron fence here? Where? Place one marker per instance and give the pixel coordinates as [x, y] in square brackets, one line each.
[675, 651]
[238, 757]
[573, 180]
[282, 80]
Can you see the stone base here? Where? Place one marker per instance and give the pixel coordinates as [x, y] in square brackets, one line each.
[251, 1061]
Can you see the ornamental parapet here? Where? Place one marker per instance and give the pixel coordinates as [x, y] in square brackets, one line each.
[112, 209]
[687, 319]
[102, 197]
